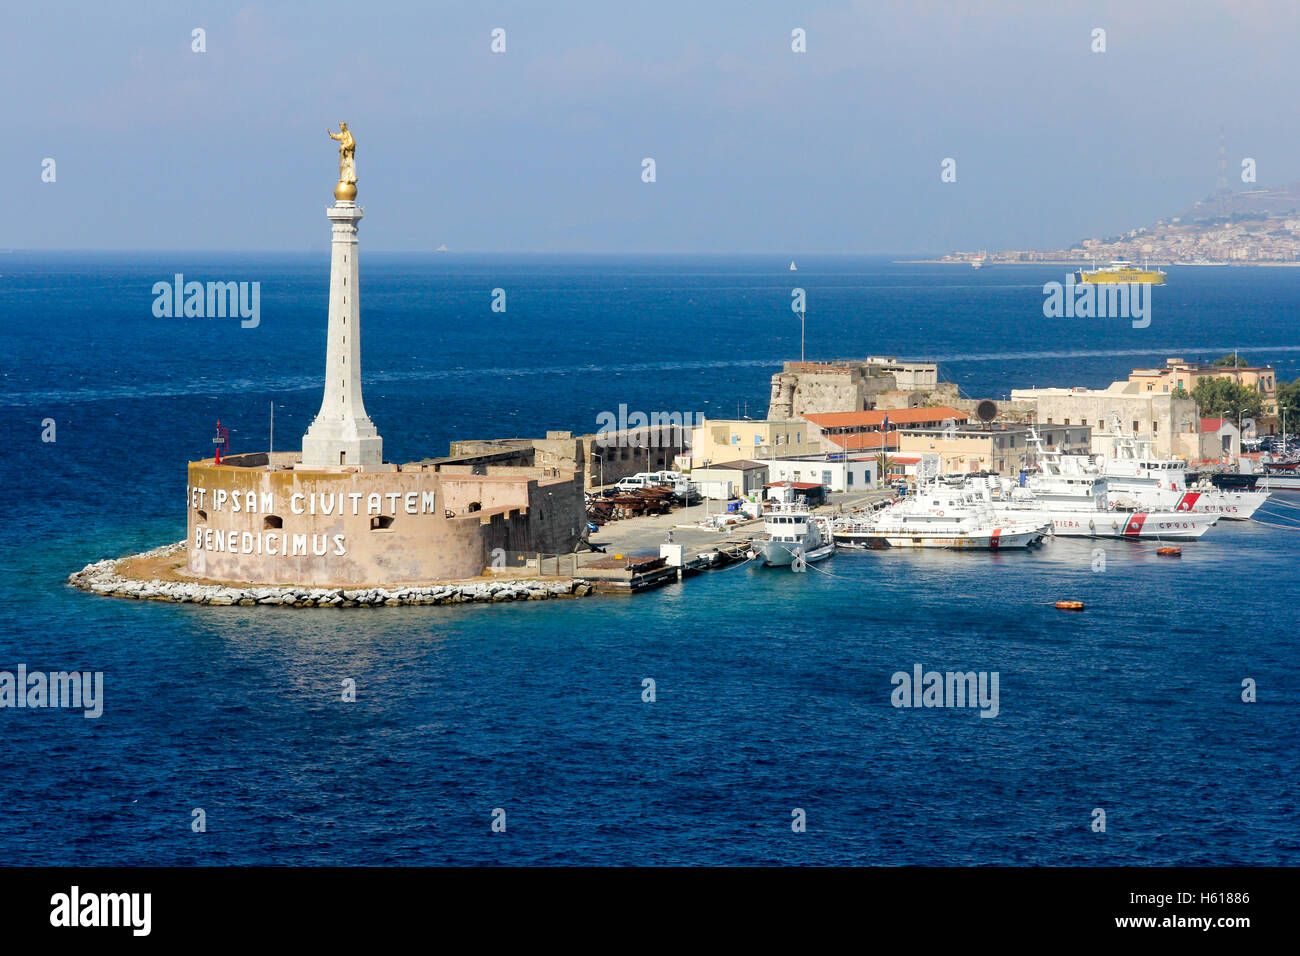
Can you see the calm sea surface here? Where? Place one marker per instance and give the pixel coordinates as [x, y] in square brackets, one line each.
[773, 688]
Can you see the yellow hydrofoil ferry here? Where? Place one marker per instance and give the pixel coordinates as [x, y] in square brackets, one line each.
[1121, 270]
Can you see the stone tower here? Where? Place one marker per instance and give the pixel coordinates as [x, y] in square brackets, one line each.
[342, 433]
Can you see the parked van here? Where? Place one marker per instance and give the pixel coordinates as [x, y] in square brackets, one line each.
[635, 482]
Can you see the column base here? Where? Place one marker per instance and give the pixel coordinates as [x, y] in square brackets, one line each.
[319, 452]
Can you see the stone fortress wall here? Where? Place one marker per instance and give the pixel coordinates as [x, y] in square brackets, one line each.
[815, 388]
[404, 524]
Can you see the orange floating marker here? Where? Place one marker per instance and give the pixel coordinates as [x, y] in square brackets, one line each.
[1069, 605]
[1169, 552]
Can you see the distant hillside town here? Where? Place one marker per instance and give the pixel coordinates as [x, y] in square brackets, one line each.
[1256, 226]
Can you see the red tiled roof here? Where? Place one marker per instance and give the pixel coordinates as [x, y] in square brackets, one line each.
[876, 417]
[857, 441]
[1212, 424]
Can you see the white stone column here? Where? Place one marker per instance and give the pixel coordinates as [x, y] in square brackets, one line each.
[342, 433]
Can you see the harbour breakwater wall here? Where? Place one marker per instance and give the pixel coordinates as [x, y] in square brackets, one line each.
[105, 577]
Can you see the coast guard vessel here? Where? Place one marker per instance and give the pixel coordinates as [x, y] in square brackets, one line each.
[1161, 484]
[1069, 494]
[939, 515]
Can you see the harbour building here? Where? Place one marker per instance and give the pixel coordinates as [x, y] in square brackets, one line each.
[999, 447]
[1178, 374]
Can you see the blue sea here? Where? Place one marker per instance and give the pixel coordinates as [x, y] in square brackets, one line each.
[772, 688]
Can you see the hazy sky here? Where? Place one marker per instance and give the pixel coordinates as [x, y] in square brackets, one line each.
[758, 148]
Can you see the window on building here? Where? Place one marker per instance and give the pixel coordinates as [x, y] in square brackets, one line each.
[1135, 426]
[1049, 421]
[381, 522]
[1067, 421]
[849, 476]
[272, 521]
[1155, 426]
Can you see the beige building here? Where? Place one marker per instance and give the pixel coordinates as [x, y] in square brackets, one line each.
[1178, 373]
[908, 376]
[718, 440]
[1171, 424]
[1002, 448]
[609, 455]
[730, 479]
[856, 431]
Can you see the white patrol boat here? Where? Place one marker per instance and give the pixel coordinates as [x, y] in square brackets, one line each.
[939, 515]
[1076, 501]
[794, 536]
[1160, 484]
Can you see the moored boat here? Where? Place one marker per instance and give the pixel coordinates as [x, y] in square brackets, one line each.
[938, 516]
[794, 536]
[1068, 493]
[1161, 484]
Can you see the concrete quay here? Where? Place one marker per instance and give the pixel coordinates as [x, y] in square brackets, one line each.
[631, 562]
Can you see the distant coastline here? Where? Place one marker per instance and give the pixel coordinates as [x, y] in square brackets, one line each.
[1086, 262]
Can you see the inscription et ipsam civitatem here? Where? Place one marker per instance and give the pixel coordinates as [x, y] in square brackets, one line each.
[316, 503]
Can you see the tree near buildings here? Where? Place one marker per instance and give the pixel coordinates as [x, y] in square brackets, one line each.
[1230, 361]
[1224, 398]
[1288, 398]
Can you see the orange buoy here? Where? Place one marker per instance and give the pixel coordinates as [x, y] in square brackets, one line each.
[1069, 605]
[1169, 552]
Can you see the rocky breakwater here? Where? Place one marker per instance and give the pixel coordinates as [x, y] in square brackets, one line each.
[105, 577]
